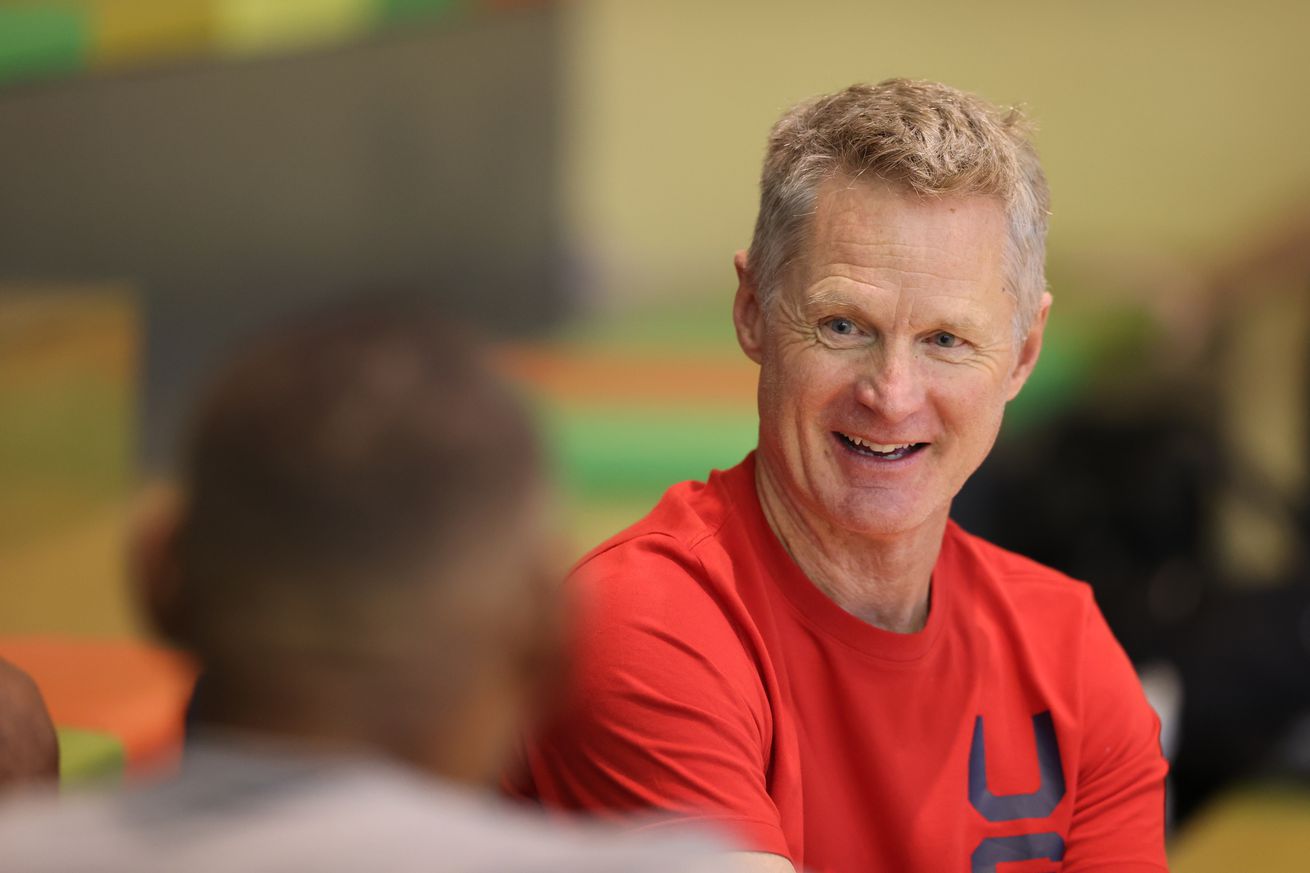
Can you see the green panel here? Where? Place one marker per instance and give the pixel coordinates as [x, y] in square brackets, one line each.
[1057, 382]
[1110, 351]
[701, 321]
[639, 452]
[593, 520]
[88, 756]
[37, 40]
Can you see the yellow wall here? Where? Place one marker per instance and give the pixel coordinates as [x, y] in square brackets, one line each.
[68, 370]
[1169, 129]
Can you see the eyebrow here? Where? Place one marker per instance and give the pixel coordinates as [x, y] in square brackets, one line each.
[963, 325]
[832, 297]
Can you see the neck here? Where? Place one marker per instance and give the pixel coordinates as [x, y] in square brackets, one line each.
[331, 713]
[884, 580]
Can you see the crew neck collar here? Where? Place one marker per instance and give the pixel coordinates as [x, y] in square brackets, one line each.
[814, 607]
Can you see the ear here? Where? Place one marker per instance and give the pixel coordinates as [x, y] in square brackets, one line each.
[747, 311]
[152, 559]
[1031, 348]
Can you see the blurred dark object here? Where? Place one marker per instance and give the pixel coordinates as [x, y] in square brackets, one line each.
[1246, 670]
[235, 191]
[29, 752]
[1115, 498]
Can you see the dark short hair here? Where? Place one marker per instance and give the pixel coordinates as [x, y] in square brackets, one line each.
[337, 456]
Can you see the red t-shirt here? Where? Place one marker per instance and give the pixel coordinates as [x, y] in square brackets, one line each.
[715, 682]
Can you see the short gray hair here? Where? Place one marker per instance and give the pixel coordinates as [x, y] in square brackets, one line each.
[926, 137]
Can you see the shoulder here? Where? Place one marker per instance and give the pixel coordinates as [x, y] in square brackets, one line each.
[370, 819]
[422, 822]
[1057, 616]
[659, 606]
[34, 829]
[1036, 611]
[672, 558]
[687, 516]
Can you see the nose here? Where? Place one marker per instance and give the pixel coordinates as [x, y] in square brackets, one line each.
[891, 385]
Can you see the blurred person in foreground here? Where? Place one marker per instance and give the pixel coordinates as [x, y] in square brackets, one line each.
[29, 750]
[359, 559]
[804, 648]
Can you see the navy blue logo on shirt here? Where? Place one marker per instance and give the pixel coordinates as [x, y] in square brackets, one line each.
[1013, 807]
[1025, 847]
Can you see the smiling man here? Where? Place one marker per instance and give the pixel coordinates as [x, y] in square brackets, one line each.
[804, 648]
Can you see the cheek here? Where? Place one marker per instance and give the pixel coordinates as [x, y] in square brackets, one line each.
[800, 394]
[972, 403]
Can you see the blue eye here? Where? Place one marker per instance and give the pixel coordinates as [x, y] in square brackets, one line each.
[842, 326]
[946, 340]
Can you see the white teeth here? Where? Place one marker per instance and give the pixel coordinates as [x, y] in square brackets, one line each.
[877, 447]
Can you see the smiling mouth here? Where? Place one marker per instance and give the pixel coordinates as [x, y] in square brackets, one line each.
[893, 452]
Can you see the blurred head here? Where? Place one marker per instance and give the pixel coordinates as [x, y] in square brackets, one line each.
[922, 137]
[29, 752]
[361, 542]
[893, 297]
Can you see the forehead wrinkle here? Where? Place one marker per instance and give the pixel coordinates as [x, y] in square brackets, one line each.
[860, 245]
[860, 252]
[869, 302]
[848, 222]
[906, 257]
[884, 277]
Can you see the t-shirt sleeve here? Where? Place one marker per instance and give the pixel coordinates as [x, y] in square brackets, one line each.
[667, 713]
[1119, 805]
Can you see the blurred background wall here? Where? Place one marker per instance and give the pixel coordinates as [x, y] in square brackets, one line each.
[575, 176]
[1168, 129]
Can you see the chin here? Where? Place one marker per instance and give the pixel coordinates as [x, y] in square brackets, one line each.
[868, 515]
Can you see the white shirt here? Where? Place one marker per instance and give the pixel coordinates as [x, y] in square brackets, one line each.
[238, 807]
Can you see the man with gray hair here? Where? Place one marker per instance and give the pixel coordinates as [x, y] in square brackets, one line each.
[804, 648]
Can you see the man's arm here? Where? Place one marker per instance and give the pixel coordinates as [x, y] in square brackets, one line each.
[1118, 816]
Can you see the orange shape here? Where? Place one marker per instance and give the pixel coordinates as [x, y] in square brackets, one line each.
[134, 691]
[591, 376]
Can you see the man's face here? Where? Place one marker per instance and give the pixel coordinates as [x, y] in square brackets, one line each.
[887, 356]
